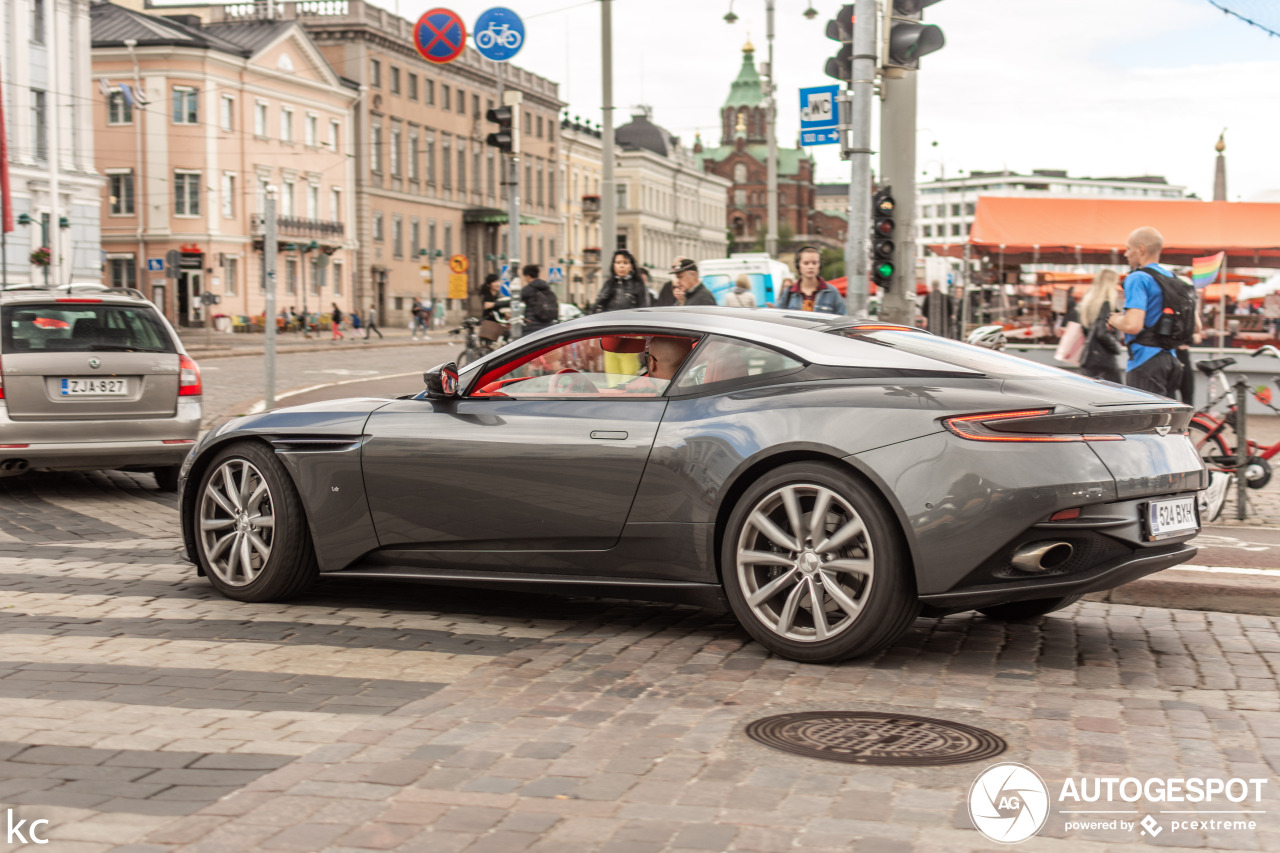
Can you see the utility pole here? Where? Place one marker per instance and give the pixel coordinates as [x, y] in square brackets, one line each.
[861, 85]
[898, 170]
[139, 179]
[608, 185]
[53, 237]
[771, 121]
[269, 249]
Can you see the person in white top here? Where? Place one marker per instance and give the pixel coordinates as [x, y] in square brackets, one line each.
[741, 295]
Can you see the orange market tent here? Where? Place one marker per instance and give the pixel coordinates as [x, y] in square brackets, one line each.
[1008, 231]
[842, 284]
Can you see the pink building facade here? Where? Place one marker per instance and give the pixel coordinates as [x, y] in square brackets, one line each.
[193, 123]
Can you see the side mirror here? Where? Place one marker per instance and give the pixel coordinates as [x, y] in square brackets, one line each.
[442, 381]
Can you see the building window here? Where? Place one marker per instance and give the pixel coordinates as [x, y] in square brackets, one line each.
[37, 21]
[446, 163]
[475, 106]
[226, 113]
[395, 80]
[462, 103]
[312, 132]
[446, 97]
[430, 149]
[395, 152]
[528, 124]
[378, 234]
[263, 183]
[428, 91]
[291, 275]
[286, 124]
[122, 193]
[448, 240]
[232, 268]
[186, 105]
[415, 237]
[397, 236]
[413, 87]
[540, 182]
[186, 193]
[39, 123]
[124, 272]
[955, 229]
[431, 238]
[335, 204]
[928, 230]
[228, 195]
[375, 73]
[119, 110]
[528, 186]
[260, 118]
[462, 167]
[375, 149]
[622, 196]
[969, 208]
[489, 173]
[413, 155]
[539, 123]
[551, 187]
[313, 201]
[337, 277]
[476, 184]
[955, 210]
[286, 198]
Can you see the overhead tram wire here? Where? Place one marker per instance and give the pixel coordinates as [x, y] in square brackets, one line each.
[1225, 6]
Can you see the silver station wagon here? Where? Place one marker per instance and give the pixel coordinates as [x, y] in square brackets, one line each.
[93, 377]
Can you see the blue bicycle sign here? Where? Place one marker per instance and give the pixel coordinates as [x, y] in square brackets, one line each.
[499, 34]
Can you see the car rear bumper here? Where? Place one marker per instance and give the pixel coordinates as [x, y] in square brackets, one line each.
[1108, 575]
[87, 445]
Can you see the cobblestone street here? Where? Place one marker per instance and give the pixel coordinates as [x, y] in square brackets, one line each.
[146, 713]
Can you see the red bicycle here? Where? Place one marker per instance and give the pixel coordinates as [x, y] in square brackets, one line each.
[1210, 426]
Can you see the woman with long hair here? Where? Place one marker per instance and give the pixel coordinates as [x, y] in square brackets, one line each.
[1101, 356]
[624, 288]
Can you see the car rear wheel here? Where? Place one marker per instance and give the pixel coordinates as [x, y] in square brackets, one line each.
[814, 568]
[1016, 611]
[167, 478]
[251, 530]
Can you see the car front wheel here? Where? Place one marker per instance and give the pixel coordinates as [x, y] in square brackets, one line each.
[251, 530]
[814, 568]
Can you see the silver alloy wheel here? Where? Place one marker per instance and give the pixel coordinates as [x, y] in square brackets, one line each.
[237, 526]
[800, 544]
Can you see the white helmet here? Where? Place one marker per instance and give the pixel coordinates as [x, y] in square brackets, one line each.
[991, 337]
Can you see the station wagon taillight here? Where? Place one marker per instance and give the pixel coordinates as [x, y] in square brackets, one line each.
[1, 382]
[188, 378]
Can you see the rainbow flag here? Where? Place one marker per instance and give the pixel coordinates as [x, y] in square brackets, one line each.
[1204, 271]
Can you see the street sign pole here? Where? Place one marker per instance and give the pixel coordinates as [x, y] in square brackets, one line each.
[898, 170]
[269, 250]
[859, 233]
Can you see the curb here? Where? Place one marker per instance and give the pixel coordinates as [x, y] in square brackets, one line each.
[1248, 591]
[200, 354]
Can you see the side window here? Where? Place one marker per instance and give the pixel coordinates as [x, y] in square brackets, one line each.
[726, 360]
[602, 366]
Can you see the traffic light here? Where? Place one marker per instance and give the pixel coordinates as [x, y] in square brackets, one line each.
[840, 29]
[505, 138]
[904, 39]
[882, 225]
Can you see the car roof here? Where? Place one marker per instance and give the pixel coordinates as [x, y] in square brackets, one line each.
[805, 334]
[35, 293]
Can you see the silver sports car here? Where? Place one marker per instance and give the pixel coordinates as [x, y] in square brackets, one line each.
[827, 480]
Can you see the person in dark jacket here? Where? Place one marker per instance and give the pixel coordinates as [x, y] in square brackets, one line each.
[537, 295]
[688, 288]
[811, 292]
[624, 288]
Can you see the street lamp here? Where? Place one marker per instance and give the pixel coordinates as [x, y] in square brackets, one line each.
[771, 120]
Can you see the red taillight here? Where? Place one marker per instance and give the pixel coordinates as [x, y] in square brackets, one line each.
[188, 378]
[977, 428]
[1065, 514]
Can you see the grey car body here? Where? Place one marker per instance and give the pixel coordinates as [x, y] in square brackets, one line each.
[54, 341]
[632, 497]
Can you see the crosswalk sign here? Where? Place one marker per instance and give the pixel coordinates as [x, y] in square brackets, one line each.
[555, 275]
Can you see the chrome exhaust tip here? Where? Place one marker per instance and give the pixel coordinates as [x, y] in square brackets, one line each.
[1041, 556]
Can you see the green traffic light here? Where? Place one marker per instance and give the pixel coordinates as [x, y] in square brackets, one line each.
[884, 270]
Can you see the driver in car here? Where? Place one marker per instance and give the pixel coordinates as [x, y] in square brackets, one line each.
[664, 357]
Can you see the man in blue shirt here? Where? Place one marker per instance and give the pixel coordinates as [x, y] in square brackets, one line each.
[1150, 368]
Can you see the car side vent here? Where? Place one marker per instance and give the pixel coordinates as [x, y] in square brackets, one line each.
[317, 445]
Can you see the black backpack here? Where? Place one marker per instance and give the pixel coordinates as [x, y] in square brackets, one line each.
[1177, 321]
[543, 306]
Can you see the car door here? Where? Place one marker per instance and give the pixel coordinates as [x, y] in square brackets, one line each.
[541, 456]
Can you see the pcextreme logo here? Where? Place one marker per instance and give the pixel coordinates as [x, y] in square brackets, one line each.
[1010, 802]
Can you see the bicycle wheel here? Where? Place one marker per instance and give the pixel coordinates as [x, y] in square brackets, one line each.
[484, 39]
[1211, 446]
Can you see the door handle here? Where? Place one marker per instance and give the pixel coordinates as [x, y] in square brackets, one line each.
[608, 434]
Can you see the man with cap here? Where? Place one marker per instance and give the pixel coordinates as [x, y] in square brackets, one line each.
[689, 290]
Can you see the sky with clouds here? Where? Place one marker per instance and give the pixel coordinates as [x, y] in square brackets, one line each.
[1097, 87]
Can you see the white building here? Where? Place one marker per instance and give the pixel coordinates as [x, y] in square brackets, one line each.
[581, 166]
[47, 93]
[668, 207]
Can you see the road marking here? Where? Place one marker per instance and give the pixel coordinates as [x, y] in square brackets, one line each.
[261, 405]
[1227, 570]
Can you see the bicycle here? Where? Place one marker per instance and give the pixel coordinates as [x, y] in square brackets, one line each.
[476, 347]
[500, 34]
[1209, 425]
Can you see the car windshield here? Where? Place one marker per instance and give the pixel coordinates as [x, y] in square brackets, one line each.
[82, 327]
[989, 362]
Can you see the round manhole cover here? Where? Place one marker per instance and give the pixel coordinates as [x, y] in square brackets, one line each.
[865, 737]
